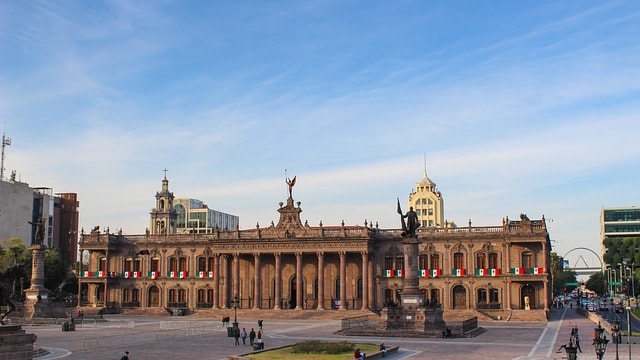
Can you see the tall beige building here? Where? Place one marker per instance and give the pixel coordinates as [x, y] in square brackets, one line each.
[427, 202]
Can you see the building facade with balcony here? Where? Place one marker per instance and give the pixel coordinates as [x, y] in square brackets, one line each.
[292, 266]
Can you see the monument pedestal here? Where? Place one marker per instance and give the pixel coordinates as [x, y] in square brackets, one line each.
[15, 343]
[37, 295]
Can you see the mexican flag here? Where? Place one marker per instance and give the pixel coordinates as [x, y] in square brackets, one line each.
[205, 274]
[459, 272]
[494, 272]
[482, 272]
[517, 271]
[388, 273]
[101, 274]
[86, 273]
[126, 274]
[536, 271]
[137, 274]
[399, 273]
[435, 272]
[172, 274]
[210, 274]
[183, 274]
[422, 273]
[154, 274]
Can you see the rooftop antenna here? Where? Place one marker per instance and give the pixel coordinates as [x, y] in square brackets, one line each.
[5, 142]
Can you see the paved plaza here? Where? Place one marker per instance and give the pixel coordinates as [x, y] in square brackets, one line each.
[164, 337]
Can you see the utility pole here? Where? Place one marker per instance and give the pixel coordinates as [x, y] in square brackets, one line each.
[5, 142]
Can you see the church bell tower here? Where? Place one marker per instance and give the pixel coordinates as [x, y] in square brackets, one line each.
[163, 217]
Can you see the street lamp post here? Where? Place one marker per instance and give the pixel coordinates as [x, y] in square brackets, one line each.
[629, 329]
[571, 350]
[600, 342]
[235, 311]
[615, 332]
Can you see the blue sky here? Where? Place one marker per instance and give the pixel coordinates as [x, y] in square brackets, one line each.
[520, 107]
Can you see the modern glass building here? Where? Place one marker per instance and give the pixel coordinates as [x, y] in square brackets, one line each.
[619, 222]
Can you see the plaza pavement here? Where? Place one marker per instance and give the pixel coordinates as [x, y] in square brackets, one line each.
[165, 337]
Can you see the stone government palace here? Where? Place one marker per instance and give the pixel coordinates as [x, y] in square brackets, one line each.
[501, 272]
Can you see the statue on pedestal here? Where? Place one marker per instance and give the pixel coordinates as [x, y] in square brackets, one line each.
[411, 225]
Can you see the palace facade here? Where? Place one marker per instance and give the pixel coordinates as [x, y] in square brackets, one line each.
[496, 270]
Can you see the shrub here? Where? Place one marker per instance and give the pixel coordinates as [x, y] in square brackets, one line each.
[320, 347]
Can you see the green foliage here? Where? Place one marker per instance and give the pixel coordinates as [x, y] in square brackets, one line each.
[14, 252]
[322, 347]
[620, 251]
[596, 283]
[561, 277]
[55, 269]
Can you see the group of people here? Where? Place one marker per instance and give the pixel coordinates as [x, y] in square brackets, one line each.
[254, 337]
[360, 355]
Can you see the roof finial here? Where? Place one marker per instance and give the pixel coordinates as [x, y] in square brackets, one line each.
[165, 173]
[425, 163]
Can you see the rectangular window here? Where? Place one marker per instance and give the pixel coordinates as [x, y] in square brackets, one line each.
[137, 265]
[128, 265]
[155, 264]
[493, 261]
[388, 263]
[481, 261]
[173, 264]
[458, 261]
[423, 262]
[202, 264]
[183, 264]
[434, 261]
[399, 262]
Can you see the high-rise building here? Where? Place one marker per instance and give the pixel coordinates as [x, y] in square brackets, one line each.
[427, 202]
[619, 222]
[25, 211]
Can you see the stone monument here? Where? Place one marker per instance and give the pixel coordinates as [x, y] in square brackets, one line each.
[412, 316]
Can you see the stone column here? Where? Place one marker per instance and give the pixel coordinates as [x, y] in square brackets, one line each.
[320, 280]
[343, 280]
[257, 287]
[236, 276]
[508, 271]
[225, 285]
[299, 286]
[365, 280]
[216, 281]
[278, 282]
[371, 286]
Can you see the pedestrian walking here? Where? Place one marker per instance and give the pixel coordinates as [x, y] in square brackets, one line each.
[252, 336]
[244, 336]
[260, 324]
[236, 335]
[125, 356]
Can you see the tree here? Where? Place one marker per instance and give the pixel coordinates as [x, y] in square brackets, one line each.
[55, 269]
[14, 252]
[596, 283]
[560, 276]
